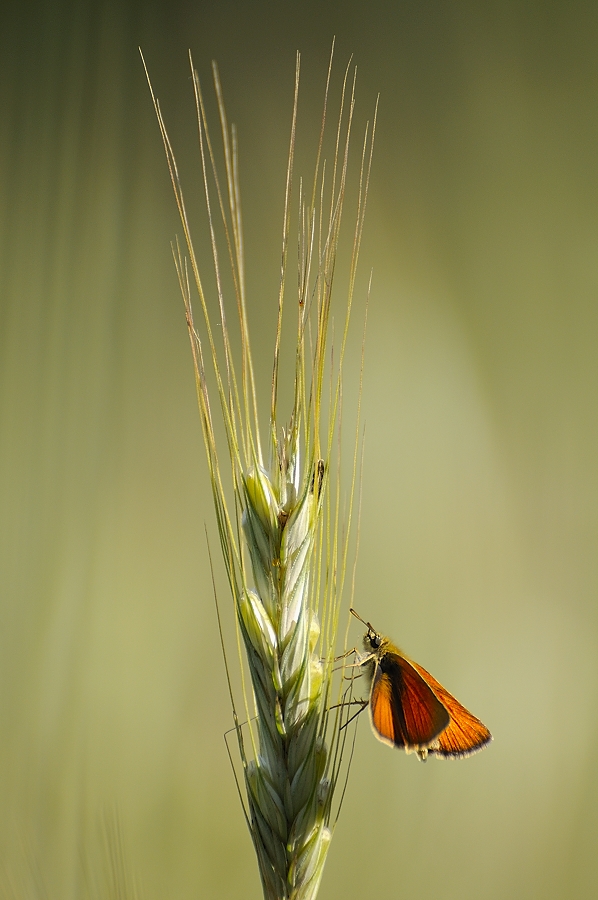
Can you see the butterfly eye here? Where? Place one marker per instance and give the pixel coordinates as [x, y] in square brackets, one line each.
[374, 640]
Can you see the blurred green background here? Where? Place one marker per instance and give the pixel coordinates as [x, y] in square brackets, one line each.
[479, 525]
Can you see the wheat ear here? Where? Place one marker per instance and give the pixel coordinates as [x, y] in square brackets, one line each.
[284, 551]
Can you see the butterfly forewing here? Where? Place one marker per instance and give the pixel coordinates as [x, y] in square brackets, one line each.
[405, 711]
[464, 734]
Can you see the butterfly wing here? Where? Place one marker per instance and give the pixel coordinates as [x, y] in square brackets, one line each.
[405, 711]
[464, 734]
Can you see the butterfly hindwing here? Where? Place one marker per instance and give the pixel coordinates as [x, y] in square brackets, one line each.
[405, 711]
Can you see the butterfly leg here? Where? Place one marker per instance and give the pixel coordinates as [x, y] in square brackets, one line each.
[362, 705]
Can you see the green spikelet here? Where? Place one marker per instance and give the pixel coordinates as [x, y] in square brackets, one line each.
[282, 546]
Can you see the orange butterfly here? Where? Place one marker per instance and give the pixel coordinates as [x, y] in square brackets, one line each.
[410, 710]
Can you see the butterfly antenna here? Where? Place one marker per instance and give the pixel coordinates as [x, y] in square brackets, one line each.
[363, 622]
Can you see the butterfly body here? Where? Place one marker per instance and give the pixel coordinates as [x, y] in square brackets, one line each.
[412, 711]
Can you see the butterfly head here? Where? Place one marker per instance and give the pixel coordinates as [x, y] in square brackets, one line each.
[373, 642]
